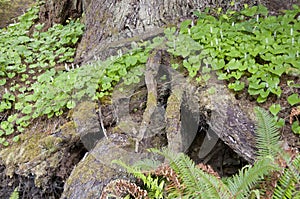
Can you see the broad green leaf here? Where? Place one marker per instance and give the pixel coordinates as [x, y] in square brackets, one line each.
[16, 138]
[293, 99]
[27, 109]
[296, 127]
[71, 104]
[185, 25]
[2, 81]
[274, 109]
[236, 86]
[131, 60]
[218, 64]
[260, 99]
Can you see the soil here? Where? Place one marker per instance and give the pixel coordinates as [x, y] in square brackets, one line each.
[286, 133]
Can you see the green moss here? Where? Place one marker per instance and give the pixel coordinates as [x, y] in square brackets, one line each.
[34, 154]
[68, 131]
[84, 111]
[173, 107]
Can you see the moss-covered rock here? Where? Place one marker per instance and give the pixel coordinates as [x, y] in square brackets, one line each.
[87, 123]
[39, 153]
[90, 176]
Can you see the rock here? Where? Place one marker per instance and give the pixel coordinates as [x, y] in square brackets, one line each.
[231, 119]
[96, 170]
[43, 156]
[87, 124]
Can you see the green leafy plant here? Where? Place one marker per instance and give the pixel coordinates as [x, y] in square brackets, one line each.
[255, 59]
[26, 56]
[293, 99]
[53, 91]
[289, 180]
[248, 44]
[14, 194]
[250, 50]
[274, 110]
[153, 184]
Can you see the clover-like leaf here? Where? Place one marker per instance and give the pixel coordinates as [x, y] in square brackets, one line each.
[16, 138]
[185, 25]
[236, 86]
[131, 60]
[71, 104]
[274, 109]
[293, 99]
[296, 127]
[261, 99]
[2, 81]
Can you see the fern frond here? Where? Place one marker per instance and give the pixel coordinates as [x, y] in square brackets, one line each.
[146, 164]
[198, 184]
[153, 184]
[290, 179]
[240, 184]
[295, 168]
[14, 194]
[285, 187]
[267, 134]
[135, 171]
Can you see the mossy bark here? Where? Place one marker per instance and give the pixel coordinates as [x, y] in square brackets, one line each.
[38, 154]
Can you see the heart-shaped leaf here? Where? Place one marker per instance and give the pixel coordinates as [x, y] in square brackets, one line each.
[293, 99]
[274, 109]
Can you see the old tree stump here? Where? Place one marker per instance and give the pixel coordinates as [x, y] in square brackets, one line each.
[165, 109]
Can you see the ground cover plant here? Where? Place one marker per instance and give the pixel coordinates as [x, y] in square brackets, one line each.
[27, 55]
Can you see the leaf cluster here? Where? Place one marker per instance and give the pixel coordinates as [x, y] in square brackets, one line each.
[55, 90]
[27, 56]
[248, 49]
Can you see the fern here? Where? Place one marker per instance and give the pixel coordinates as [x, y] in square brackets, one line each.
[286, 187]
[146, 164]
[240, 184]
[154, 186]
[267, 134]
[14, 194]
[198, 183]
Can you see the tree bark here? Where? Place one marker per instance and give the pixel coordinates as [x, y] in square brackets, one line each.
[110, 24]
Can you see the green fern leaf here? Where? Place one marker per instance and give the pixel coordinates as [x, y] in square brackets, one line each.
[286, 186]
[240, 184]
[147, 164]
[155, 187]
[267, 134]
[14, 194]
[198, 183]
